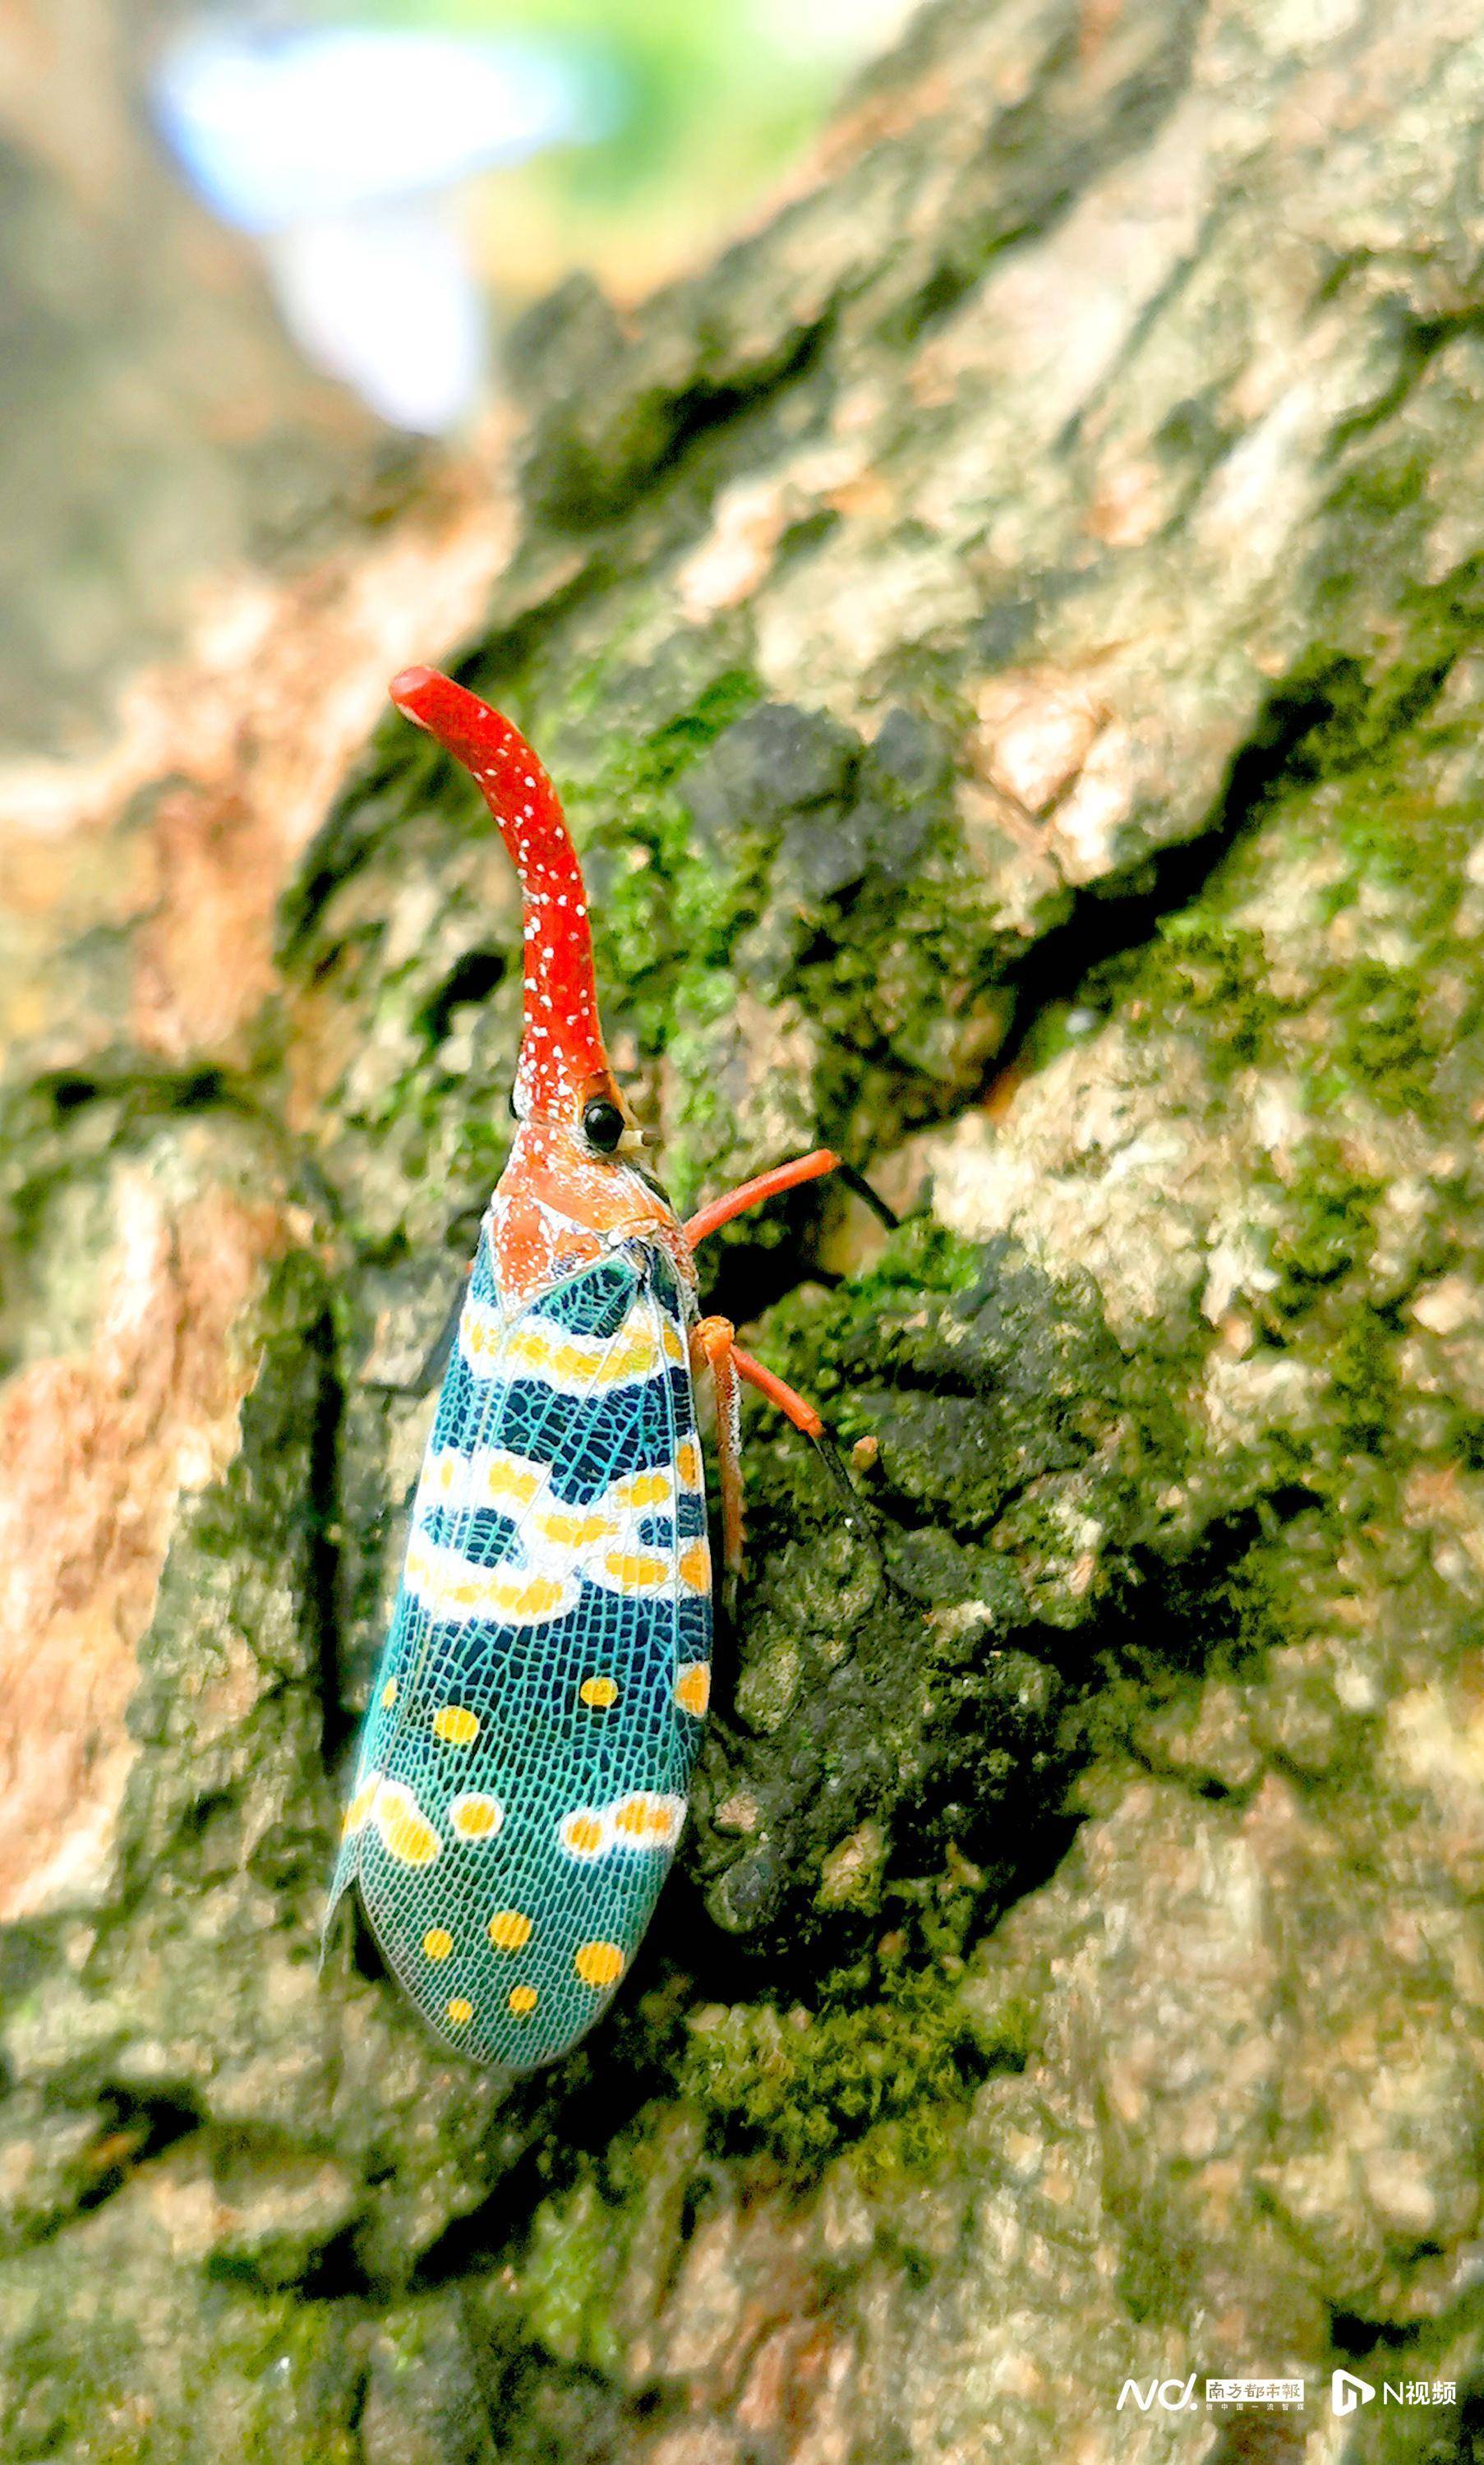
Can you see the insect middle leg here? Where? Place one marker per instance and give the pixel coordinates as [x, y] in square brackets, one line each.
[716, 1348]
[715, 1345]
[798, 1409]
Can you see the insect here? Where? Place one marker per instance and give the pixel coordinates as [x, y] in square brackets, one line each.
[524, 1766]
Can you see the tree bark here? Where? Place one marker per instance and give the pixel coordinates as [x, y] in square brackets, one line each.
[1011, 638]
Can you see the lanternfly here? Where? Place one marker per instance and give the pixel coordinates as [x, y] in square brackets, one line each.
[522, 1775]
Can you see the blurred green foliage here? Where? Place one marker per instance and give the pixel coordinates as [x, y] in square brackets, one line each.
[711, 102]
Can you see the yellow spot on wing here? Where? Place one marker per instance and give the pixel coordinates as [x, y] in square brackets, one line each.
[641, 1489]
[522, 1999]
[538, 1597]
[598, 1964]
[582, 1834]
[573, 1527]
[635, 1570]
[692, 1687]
[696, 1565]
[598, 1693]
[474, 1816]
[448, 1583]
[509, 1480]
[455, 1727]
[688, 1464]
[509, 1929]
[389, 1693]
[647, 1820]
[591, 1362]
[362, 1803]
[437, 1942]
[406, 1833]
[459, 2011]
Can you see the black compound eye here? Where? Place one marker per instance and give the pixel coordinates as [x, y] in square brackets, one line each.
[603, 1124]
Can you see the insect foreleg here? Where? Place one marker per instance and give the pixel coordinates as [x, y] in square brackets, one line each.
[773, 1185]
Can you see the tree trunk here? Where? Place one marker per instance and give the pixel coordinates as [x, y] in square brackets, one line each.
[1011, 637]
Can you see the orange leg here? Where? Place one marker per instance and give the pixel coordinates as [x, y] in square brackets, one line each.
[798, 1409]
[784, 1176]
[715, 1347]
[712, 1346]
[752, 1194]
[728, 1362]
[794, 1406]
